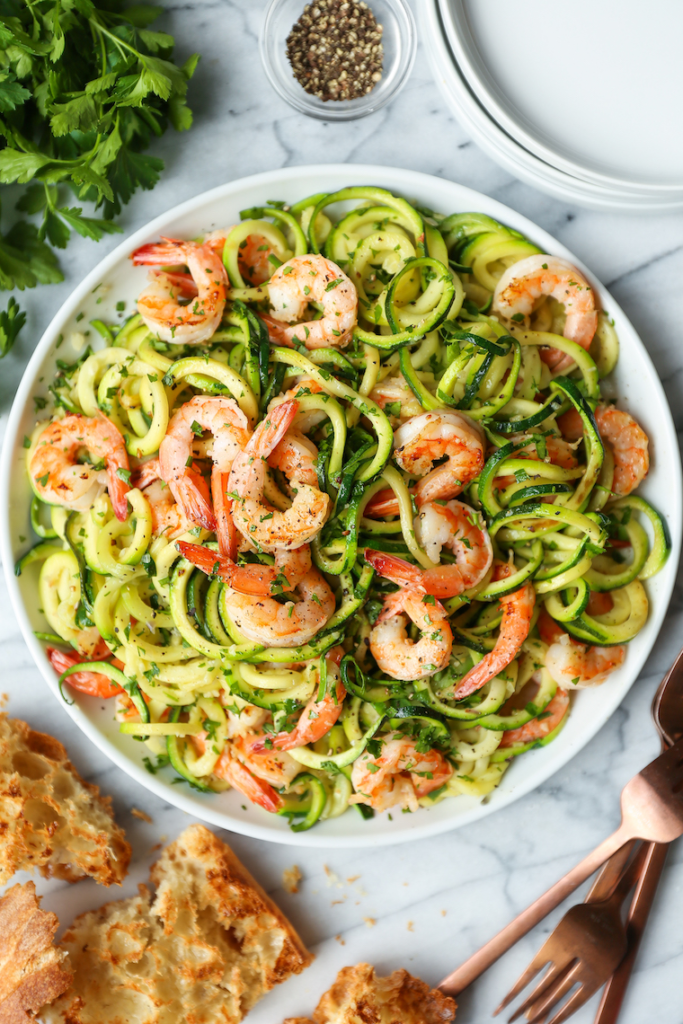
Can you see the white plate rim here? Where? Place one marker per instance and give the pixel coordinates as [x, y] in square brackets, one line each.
[472, 68]
[407, 183]
[506, 151]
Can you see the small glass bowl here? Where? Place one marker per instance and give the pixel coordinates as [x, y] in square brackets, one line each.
[399, 40]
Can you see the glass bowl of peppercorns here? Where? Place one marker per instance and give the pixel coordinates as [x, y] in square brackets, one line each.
[338, 59]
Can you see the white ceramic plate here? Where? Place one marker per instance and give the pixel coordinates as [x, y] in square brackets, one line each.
[506, 150]
[565, 84]
[636, 383]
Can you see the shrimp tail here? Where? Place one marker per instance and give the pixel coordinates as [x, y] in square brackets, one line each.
[384, 503]
[191, 494]
[209, 561]
[226, 531]
[395, 569]
[317, 719]
[93, 683]
[158, 253]
[279, 421]
[118, 489]
[258, 791]
[254, 580]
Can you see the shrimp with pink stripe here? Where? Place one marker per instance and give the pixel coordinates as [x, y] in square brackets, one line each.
[159, 305]
[268, 528]
[61, 479]
[455, 526]
[223, 418]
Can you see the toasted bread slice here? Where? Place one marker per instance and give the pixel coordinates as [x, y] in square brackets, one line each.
[359, 995]
[204, 950]
[32, 971]
[51, 818]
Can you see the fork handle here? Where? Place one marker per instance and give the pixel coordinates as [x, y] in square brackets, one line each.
[613, 995]
[480, 961]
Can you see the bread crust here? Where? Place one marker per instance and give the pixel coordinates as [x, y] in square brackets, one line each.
[203, 950]
[51, 818]
[358, 996]
[32, 971]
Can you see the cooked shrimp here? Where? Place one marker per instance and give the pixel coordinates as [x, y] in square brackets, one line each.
[400, 774]
[229, 426]
[306, 421]
[455, 526]
[271, 529]
[295, 456]
[538, 728]
[393, 392]
[419, 443]
[61, 480]
[167, 516]
[240, 777]
[273, 766]
[92, 683]
[395, 653]
[285, 575]
[628, 441]
[518, 609]
[529, 279]
[158, 304]
[266, 621]
[576, 666]
[305, 279]
[629, 444]
[318, 717]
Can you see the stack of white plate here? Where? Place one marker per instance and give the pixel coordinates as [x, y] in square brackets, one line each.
[582, 100]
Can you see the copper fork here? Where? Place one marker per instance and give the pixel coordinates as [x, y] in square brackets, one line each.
[584, 950]
[652, 809]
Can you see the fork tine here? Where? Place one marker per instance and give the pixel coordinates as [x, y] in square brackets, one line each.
[548, 982]
[581, 996]
[536, 965]
[553, 994]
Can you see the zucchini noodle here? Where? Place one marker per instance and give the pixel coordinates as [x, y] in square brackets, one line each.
[447, 484]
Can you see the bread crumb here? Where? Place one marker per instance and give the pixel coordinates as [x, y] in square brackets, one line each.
[142, 815]
[291, 878]
[336, 903]
[4, 700]
[352, 878]
[332, 878]
[340, 940]
[410, 926]
[370, 921]
[153, 849]
[443, 913]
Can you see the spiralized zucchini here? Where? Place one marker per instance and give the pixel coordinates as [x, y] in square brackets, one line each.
[205, 673]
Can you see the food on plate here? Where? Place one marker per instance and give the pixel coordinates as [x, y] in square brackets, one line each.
[359, 995]
[32, 971]
[335, 49]
[52, 818]
[206, 947]
[341, 516]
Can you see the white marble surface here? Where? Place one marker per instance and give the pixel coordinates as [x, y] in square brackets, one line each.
[435, 901]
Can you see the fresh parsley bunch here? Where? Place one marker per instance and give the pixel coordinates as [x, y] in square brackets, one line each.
[85, 85]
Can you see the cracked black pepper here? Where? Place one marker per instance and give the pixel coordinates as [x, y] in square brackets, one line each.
[335, 49]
